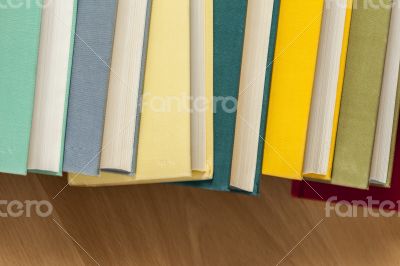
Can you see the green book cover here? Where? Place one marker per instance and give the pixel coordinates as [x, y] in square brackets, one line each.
[229, 28]
[19, 44]
[361, 91]
[67, 87]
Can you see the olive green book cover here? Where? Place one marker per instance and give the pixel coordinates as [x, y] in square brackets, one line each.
[361, 91]
[19, 44]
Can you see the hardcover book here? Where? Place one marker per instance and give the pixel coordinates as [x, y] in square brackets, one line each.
[89, 83]
[46, 150]
[296, 50]
[361, 91]
[19, 46]
[119, 145]
[252, 96]
[327, 90]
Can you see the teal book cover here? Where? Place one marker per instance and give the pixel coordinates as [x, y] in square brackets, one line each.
[268, 75]
[67, 85]
[229, 26]
[19, 45]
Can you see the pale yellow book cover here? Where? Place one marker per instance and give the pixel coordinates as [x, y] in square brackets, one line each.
[339, 93]
[167, 74]
[296, 49]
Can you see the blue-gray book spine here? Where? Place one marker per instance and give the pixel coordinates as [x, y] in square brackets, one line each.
[229, 27]
[89, 84]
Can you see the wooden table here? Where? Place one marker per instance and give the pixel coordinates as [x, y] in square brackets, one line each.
[173, 225]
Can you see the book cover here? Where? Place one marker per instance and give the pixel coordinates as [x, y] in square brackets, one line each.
[164, 136]
[124, 94]
[271, 57]
[292, 81]
[89, 83]
[342, 67]
[46, 150]
[361, 91]
[252, 95]
[19, 46]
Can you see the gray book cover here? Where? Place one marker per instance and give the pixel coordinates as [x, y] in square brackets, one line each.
[89, 84]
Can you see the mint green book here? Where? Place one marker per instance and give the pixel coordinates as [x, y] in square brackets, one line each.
[19, 41]
[57, 36]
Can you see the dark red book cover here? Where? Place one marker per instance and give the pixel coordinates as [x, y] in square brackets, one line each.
[376, 197]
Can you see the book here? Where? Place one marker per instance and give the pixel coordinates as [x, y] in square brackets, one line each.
[19, 45]
[327, 90]
[229, 31]
[198, 90]
[252, 95]
[388, 114]
[202, 91]
[377, 197]
[360, 97]
[46, 147]
[91, 66]
[125, 87]
[164, 140]
[297, 42]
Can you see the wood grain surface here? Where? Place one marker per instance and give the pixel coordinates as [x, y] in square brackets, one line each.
[173, 225]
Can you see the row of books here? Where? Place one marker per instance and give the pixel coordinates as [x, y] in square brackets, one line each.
[210, 93]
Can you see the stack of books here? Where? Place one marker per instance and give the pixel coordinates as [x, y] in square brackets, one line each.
[210, 94]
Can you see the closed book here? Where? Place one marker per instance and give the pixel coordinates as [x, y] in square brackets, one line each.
[296, 50]
[229, 31]
[388, 114]
[164, 153]
[253, 94]
[361, 91]
[89, 83]
[327, 90]
[119, 144]
[46, 150]
[19, 44]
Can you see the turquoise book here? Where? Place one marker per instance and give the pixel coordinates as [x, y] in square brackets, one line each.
[229, 33]
[57, 35]
[19, 42]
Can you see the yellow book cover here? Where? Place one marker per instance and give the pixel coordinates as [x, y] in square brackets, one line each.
[296, 49]
[164, 139]
[339, 93]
